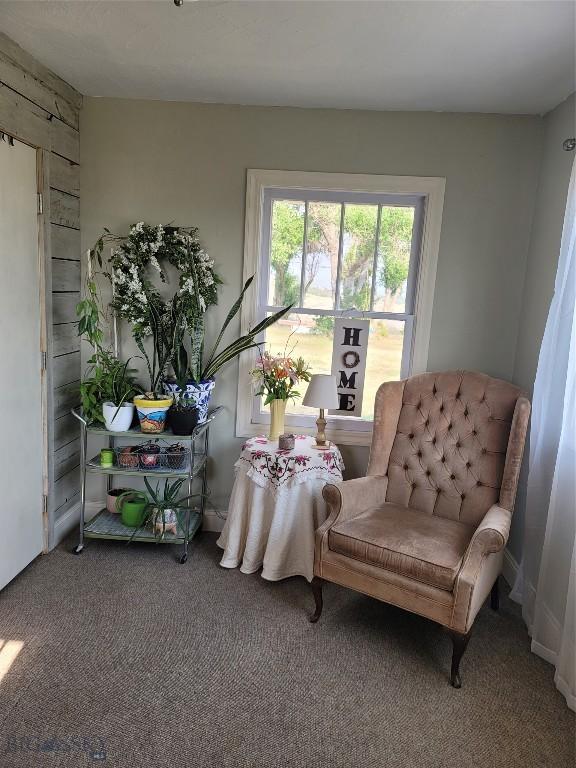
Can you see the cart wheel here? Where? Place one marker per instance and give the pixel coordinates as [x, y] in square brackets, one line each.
[78, 549]
[183, 558]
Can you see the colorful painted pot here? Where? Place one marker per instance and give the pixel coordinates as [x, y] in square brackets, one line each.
[152, 413]
[132, 506]
[198, 392]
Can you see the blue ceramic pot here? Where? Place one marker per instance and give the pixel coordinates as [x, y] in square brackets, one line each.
[199, 392]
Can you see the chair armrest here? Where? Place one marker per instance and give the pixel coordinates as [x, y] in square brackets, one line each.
[346, 500]
[476, 577]
[490, 536]
[351, 497]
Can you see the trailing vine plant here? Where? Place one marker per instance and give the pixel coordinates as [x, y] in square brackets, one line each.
[108, 379]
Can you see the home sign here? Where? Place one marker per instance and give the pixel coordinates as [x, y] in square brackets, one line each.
[349, 364]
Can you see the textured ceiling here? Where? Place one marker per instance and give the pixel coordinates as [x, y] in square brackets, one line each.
[508, 57]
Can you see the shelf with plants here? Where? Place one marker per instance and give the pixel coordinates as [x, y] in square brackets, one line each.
[180, 369]
[106, 525]
[94, 466]
[177, 469]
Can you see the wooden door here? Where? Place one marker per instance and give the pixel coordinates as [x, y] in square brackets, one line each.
[22, 434]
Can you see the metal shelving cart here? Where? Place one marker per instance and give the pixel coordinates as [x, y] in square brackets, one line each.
[105, 525]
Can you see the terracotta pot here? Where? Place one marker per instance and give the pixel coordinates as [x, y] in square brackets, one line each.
[111, 497]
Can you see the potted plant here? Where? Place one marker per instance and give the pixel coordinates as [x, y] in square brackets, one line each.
[195, 377]
[146, 251]
[128, 457]
[175, 326]
[162, 511]
[106, 393]
[176, 455]
[111, 497]
[276, 377]
[149, 455]
[152, 412]
[183, 413]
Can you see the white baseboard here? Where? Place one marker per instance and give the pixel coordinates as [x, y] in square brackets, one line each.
[213, 520]
[509, 568]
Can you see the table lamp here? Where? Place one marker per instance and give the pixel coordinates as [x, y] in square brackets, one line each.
[321, 393]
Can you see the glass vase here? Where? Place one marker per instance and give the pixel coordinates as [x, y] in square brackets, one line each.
[277, 414]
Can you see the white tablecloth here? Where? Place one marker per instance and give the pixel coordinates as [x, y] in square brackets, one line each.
[275, 507]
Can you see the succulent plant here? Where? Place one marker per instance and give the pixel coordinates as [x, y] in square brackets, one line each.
[128, 457]
[176, 456]
[149, 455]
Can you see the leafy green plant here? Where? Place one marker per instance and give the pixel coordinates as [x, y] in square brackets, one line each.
[189, 366]
[217, 360]
[164, 499]
[110, 381]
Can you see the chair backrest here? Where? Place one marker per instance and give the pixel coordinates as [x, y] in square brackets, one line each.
[449, 453]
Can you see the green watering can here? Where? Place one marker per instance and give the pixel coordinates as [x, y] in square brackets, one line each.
[132, 507]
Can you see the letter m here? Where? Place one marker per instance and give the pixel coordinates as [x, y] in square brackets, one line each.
[348, 382]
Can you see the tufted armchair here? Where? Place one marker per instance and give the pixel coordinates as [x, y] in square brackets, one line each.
[426, 529]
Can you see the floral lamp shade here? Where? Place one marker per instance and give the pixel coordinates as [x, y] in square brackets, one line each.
[321, 392]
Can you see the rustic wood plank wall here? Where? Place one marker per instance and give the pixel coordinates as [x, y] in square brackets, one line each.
[37, 107]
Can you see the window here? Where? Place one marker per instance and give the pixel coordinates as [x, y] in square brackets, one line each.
[340, 247]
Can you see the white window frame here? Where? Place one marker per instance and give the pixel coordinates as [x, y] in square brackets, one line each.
[427, 189]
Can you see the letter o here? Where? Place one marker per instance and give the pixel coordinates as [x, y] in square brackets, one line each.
[350, 355]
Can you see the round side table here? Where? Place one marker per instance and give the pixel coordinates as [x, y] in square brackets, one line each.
[276, 506]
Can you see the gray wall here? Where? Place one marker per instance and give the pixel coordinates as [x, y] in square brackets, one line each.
[181, 162]
[541, 264]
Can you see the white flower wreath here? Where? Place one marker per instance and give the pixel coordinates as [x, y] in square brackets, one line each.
[135, 296]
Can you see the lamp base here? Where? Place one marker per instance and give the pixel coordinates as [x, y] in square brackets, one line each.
[321, 443]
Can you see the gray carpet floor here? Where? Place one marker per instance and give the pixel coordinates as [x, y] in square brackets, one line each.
[130, 659]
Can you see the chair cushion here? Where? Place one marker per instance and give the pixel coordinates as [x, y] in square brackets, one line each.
[423, 547]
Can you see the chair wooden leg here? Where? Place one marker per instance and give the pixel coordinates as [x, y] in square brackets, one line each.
[459, 644]
[495, 597]
[316, 585]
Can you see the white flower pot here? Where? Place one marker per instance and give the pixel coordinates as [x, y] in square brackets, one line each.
[122, 420]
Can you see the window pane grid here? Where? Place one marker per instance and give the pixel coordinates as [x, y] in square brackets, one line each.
[351, 257]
